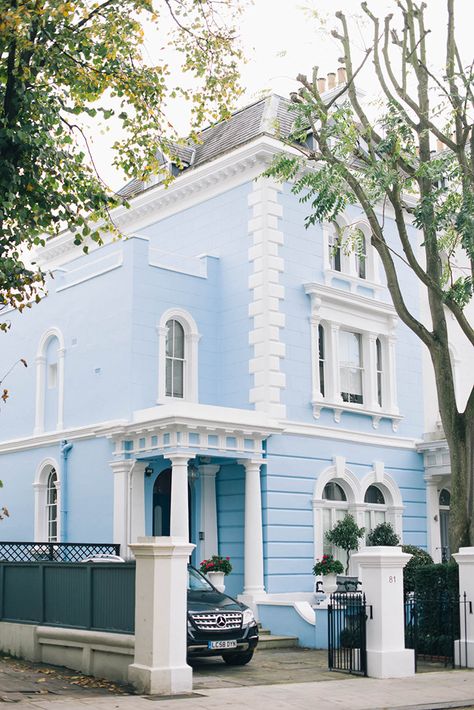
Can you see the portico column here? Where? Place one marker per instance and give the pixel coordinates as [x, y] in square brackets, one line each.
[137, 502]
[432, 514]
[179, 518]
[209, 545]
[253, 534]
[121, 471]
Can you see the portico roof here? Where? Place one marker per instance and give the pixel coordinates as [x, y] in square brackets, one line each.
[193, 427]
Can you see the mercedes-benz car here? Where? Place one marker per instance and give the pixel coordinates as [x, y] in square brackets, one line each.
[218, 625]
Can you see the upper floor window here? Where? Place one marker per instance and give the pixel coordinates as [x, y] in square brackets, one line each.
[350, 366]
[178, 356]
[350, 253]
[49, 407]
[175, 359]
[353, 354]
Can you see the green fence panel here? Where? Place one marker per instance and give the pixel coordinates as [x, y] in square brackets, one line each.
[113, 598]
[97, 596]
[22, 593]
[66, 595]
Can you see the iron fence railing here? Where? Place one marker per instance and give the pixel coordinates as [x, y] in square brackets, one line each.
[54, 551]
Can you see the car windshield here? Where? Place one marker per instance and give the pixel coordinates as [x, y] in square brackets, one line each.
[197, 583]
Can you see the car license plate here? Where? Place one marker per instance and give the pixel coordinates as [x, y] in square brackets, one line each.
[222, 644]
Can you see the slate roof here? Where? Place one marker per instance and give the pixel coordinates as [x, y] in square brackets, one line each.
[267, 116]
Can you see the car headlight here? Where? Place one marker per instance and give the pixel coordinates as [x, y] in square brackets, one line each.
[247, 617]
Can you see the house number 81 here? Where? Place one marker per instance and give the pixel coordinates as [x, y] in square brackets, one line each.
[392, 579]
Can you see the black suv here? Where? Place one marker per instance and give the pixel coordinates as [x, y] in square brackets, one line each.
[217, 624]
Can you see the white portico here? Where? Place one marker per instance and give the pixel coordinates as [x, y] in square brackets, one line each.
[176, 445]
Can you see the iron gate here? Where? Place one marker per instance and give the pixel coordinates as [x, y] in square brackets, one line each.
[347, 648]
[433, 626]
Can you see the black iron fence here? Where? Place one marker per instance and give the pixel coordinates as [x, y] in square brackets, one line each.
[434, 625]
[54, 551]
[96, 596]
[347, 647]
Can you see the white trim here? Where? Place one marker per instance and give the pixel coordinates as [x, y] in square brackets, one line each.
[85, 272]
[52, 332]
[191, 340]
[354, 489]
[40, 486]
[267, 295]
[192, 187]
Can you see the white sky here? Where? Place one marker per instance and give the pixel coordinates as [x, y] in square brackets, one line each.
[281, 39]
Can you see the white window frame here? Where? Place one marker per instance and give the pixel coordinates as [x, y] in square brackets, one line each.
[355, 490]
[191, 340]
[40, 487]
[42, 379]
[349, 272]
[337, 310]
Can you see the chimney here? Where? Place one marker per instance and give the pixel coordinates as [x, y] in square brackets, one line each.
[331, 81]
[341, 76]
[321, 85]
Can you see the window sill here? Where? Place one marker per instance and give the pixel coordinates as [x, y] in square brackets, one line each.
[354, 282]
[340, 407]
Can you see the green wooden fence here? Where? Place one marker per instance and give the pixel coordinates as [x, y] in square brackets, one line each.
[96, 596]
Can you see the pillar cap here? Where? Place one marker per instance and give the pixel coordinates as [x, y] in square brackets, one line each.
[465, 555]
[381, 556]
[162, 547]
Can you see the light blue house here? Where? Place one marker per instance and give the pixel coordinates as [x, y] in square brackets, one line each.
[222, 371]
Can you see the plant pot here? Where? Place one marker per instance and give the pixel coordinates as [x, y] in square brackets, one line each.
[329, 583]
[217, 580]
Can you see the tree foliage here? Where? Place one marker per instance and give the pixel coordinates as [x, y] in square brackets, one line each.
[63, 62]
[388, 166]
[346, 535]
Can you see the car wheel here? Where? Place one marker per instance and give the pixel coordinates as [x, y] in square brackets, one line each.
[237, 659]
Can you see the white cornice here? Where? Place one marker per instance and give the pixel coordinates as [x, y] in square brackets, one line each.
[158, 202]
[50, 438]
[367, 438]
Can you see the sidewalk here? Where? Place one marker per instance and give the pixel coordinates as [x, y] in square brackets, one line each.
[424, 691]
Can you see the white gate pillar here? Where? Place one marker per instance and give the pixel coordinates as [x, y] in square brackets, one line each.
[381, 572]
[464, 648]
[161, 616]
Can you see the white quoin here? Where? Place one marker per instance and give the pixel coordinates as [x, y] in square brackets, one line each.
[464, 649]
[161, 616]
[381, 572]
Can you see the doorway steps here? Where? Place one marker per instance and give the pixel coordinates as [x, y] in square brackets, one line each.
[268, 640]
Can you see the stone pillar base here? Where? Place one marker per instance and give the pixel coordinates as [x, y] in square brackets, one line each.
[390, 664]
[162, 681]
[462, 649]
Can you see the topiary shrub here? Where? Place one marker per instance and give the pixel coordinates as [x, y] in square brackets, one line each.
[383, 534]
[346, 535]
[420, 558]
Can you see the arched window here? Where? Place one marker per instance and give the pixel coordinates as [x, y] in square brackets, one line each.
[49, 409]
[52, 506]
[178, 357]
[361, 254]
[376, 510]
[175, 359]
[334, 510]
[334, 245]
[47, 502]
[322, 357]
